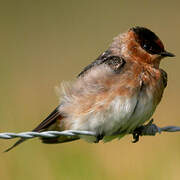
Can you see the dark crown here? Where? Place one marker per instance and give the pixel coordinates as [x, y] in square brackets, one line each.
[148, 40]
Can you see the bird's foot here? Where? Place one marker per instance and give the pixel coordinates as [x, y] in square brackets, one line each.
[149, 129]
[136, 133]
[98, 138]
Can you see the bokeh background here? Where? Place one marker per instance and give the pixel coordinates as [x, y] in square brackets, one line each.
[45, 42]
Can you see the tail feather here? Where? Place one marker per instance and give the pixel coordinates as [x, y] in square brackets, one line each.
[15, 144]
[44, 125]
[59, 139]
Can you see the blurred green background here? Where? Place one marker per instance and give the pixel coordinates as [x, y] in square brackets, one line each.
[45, 42]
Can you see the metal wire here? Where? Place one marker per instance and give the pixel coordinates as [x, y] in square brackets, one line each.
[47, 134]
[146, 130]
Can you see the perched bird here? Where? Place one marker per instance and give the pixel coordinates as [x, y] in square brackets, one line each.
[116, 93]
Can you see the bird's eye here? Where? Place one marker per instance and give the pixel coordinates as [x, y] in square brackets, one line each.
[147, 47]
[148, 40]
[150, 47]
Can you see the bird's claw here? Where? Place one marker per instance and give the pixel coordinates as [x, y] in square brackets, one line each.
[99, 137]
[136, 133]
[149, 129]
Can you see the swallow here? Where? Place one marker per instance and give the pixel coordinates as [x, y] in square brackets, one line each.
[115, 94]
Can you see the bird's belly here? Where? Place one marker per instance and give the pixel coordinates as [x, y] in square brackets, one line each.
[122, 115]
[127, 115]
[143, 111]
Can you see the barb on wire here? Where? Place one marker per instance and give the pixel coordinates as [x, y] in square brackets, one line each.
[149, 129]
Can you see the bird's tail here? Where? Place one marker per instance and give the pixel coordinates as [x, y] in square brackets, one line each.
[44, 125]
[15, 144]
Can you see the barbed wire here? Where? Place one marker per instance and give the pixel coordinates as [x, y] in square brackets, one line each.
[149, 129]
[46, 134]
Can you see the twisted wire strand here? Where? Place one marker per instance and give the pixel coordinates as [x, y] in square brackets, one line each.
[148, 130]
[46, 134]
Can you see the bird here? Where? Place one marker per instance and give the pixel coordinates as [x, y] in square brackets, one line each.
[115, 94]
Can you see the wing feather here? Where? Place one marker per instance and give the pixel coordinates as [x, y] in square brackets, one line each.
[49, 120]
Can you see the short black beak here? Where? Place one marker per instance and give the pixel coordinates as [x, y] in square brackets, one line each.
[167, 54]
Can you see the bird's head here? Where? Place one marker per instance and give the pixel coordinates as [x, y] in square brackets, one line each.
[140, 44]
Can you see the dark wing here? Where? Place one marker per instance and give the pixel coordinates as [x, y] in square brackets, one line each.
[164, 77]
[49, 120]
[98, 61]
[115, 62]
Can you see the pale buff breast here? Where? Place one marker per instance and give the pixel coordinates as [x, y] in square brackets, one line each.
[149, 97]
[105, 110]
